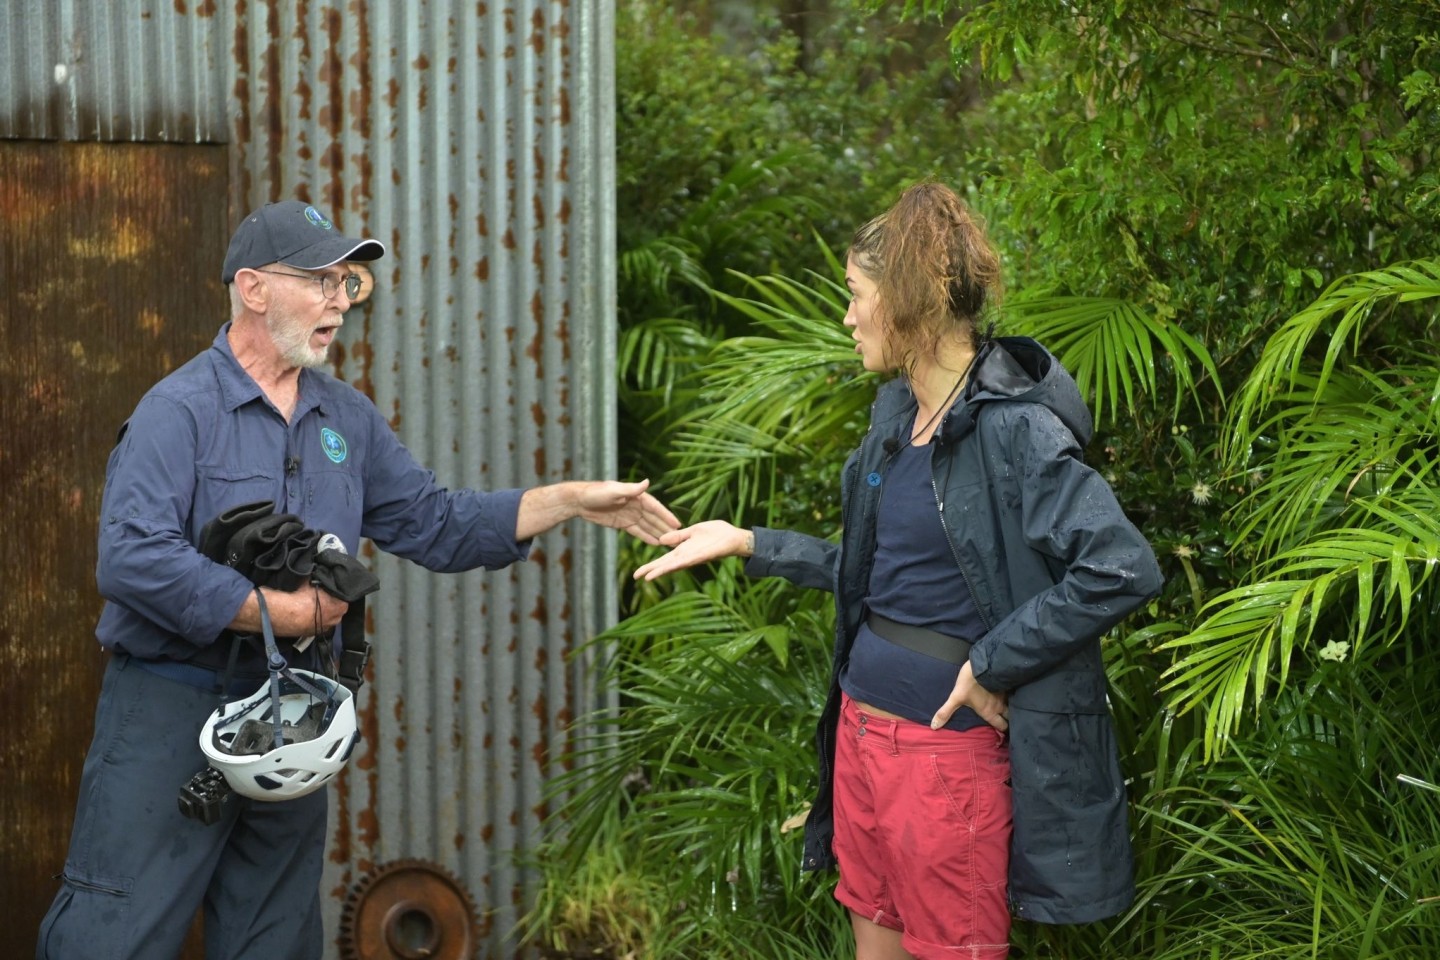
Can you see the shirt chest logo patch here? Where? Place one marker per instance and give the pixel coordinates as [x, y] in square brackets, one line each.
[333, 444]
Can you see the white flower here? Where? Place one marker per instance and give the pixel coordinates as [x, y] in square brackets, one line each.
[1200, 493]
[1183, 550]
[1335, 650]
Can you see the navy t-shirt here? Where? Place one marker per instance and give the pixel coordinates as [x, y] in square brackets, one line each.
[914, 580]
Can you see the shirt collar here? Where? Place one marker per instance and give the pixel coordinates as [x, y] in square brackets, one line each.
[238, 388]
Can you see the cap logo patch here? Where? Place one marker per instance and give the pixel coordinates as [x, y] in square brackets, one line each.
[317, 218]
[333, 444]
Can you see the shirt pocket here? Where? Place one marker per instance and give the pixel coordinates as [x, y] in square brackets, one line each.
[222, 487]
[332, 489]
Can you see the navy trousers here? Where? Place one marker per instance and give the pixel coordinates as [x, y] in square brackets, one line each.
[138, 870]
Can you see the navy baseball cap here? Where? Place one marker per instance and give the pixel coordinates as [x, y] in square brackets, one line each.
[296, 234]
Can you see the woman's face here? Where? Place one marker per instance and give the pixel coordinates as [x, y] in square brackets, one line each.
[863, 318]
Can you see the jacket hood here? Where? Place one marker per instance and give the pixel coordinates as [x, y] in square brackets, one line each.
[1007, 370]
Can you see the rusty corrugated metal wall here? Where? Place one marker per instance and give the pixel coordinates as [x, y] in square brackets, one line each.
[475, 140]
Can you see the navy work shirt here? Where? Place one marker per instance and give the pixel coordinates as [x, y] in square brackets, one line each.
[206, 439]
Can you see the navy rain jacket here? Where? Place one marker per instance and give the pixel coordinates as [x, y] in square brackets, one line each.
[1053, 563]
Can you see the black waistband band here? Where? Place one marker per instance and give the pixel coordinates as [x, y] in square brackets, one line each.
[920, 639]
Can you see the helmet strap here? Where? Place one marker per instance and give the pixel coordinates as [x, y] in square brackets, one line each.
[278, 668]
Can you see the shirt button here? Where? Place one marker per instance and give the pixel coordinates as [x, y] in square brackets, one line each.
[861, 733]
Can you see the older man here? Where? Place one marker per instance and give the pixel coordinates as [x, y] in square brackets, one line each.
[249, 420]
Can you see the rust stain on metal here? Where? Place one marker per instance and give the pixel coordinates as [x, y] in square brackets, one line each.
[361, 101]
[84, 332]
[273, 119]
[422, 89]
[398, 709]
[241, 92]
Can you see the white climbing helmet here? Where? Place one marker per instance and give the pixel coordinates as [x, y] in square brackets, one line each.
[317, 732]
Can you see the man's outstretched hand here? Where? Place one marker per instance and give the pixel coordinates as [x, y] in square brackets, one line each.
[609, 503]
[628, 507]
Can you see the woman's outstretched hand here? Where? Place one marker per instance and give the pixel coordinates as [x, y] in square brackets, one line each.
[698, 543]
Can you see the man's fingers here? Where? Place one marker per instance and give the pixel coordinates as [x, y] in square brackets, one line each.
[661, 513]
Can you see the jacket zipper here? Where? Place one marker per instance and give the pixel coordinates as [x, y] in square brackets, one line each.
[955, 554]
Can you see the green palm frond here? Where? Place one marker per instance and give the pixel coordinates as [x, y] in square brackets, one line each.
[1249, 634]
[1112, 347]
[1355, 435]
[796, 393]
[1340, 315]
[737, 208]
[721, 688]
[655, 265]
[655, 354]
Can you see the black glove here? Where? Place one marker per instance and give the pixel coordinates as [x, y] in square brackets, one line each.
[265, 538]
[288, 563]
[342, 576]
[216, 534]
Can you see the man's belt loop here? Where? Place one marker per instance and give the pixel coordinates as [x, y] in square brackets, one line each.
[932, 643]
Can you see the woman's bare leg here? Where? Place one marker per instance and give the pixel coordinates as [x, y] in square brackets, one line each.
[874, 942]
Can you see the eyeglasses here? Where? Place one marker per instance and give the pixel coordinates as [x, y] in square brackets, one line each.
[329, 284]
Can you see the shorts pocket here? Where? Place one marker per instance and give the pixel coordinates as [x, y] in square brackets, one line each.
[974, 782]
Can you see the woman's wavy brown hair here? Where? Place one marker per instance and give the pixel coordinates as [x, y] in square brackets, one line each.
[934, 268]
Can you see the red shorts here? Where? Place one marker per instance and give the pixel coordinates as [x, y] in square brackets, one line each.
[922, 833]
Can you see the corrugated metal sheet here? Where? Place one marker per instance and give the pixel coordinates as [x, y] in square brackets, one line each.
[475, 140]
[140, 70]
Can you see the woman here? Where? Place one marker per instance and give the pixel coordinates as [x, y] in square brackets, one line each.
[980, 563]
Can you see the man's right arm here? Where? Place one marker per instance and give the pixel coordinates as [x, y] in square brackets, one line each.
[146, 562]
[301, 613]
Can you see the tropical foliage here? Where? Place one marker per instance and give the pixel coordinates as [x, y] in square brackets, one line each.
[1222, 217]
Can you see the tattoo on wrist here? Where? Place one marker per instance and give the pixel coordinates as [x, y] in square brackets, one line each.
[750, 543]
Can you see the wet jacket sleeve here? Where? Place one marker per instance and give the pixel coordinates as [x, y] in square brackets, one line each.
[146, 563]
[804, 560]
[1097, 565]
[409, 514]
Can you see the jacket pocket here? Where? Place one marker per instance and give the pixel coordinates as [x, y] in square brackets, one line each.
[1064, 691]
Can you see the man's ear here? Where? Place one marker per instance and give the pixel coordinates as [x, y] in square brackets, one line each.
[254, 291]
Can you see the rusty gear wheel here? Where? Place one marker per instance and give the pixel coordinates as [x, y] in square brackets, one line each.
[408, 910]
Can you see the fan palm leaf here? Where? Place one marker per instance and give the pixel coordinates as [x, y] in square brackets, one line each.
[1112, 348]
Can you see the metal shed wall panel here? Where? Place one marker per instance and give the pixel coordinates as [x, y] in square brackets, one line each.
[141, 70]
[474, 140]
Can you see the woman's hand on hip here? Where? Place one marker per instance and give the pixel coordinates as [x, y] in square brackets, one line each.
[992, 707]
